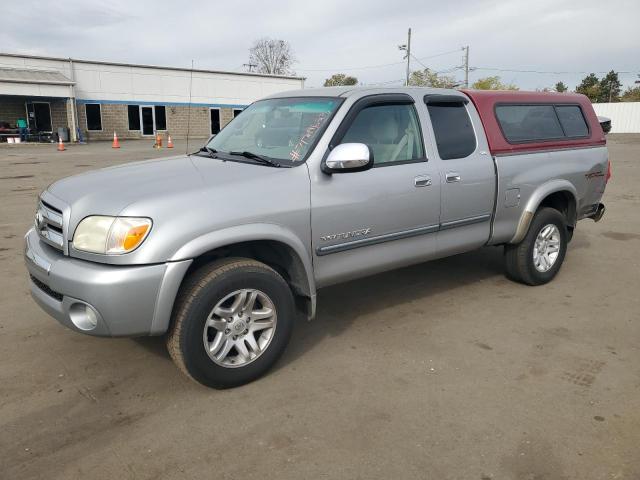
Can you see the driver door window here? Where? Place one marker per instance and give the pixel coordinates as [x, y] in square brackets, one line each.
[391, 132]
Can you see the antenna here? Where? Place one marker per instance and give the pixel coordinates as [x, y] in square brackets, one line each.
[189, 109]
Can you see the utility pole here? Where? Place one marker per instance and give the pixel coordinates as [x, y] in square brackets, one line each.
[466, 66]
[408, 55]
[407, 48]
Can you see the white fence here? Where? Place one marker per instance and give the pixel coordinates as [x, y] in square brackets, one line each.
[625, 116]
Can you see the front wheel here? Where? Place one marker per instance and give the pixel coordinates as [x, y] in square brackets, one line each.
[232, 321]
[538, 257]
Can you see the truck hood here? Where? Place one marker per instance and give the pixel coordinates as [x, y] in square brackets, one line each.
[109, 191]
[187, 198]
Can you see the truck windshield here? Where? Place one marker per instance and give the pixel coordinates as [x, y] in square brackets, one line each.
[284, 129]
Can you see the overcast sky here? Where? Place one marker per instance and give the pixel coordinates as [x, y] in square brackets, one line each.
[356, 37]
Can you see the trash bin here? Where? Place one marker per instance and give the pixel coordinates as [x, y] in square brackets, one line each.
[63, 134]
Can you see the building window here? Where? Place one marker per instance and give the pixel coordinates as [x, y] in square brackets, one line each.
[134, 117]
[236, 112]
[161, 117]
[453, 130]
[94, 116]
[215, 121]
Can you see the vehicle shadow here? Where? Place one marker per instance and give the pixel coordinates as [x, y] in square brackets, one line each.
[340, 306]
[155, 345]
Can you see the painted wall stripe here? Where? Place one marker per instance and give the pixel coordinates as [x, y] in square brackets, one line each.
[167, 104]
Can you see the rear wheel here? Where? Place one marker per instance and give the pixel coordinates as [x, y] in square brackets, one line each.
[538, 257]
[232, 321]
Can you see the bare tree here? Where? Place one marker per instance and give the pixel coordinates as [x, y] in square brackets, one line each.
[272, 56]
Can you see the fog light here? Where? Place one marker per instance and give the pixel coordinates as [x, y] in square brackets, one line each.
[83, 316]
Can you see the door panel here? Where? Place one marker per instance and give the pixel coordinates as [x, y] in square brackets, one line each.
[393, 220]
[467, 176]
[365, 222]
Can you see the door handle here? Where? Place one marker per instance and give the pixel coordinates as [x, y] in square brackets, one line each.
[452, 177]
[422, 181]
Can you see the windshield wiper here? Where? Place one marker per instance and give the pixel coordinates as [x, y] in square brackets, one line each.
[211, 151]
[259, 158]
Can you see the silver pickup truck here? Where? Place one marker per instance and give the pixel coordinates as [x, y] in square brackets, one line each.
[222, 249]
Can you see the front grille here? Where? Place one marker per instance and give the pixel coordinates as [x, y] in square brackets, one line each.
[45, 288]
[49, 224]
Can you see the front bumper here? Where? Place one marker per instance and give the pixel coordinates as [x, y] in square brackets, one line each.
[125, 300]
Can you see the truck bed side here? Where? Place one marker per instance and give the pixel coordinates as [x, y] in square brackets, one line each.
[569, 170]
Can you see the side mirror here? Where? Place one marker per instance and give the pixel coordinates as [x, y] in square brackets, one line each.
[605, 123]
[348, 157]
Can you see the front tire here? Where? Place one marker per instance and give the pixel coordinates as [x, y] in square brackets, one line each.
[232, 321]
[537, 259]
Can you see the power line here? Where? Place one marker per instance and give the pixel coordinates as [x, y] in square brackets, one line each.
[440, 54]
[349, 68]
[446, 70]
[418, 60]
[365, 67]
[388, 82]
[542, 72]
[451, 69]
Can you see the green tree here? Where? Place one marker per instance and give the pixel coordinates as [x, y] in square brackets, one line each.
[631, 94]
[428, 78]
[590, 86]
[561, 87]
[492, 83]
[610, 88]
[338, 79]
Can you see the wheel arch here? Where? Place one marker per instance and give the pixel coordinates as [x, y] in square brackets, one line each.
[271, 244]
[558, 194]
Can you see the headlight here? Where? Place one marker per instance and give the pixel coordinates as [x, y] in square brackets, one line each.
[110, 235]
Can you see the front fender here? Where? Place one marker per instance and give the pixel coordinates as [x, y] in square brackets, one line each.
[536, 198]
[247, 233]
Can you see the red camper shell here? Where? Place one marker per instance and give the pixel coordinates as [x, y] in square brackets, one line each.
[547, 121]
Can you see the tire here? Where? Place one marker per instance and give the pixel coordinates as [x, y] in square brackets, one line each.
[205, 290]
[519, 259]
[570, 232]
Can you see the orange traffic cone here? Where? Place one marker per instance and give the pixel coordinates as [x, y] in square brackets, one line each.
[115, 143]
[169, 142]
[60, 145]
[158, 143]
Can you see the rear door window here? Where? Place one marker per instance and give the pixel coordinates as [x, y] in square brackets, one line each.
[572, 120]
[529, 123]
[453, 130]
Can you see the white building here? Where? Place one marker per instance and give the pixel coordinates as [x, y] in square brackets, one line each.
[97, 98]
